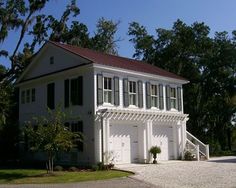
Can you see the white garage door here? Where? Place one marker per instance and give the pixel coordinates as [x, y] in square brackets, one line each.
[124, 143]
[163, 137]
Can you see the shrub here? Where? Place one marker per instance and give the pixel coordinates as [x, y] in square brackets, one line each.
[188, 156]
[58, 168]
[95, 167]
[73, 169]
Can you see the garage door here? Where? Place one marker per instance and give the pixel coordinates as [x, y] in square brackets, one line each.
[163, 137]
[124, 143]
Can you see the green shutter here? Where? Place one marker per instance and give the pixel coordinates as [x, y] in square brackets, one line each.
[161, 101]
[73, 92]
[125, 92]
[140, 94]
[99, 89]
[66, 93]
[148, 95]
[51, 96]
[168, 97]
[179, 98]
[116, 92]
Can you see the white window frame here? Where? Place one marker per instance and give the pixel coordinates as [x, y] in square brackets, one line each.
[153, 96]
[108, 90]
[173, 97]
[133, 93]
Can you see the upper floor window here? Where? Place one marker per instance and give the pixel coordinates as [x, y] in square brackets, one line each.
[28, 96]
[132, 93]
[173, 98]
[51, 95]
[76, 91]
[154, 96]
[51, 60]
[107, 90]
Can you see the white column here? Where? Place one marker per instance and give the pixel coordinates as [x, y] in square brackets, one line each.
[149, 139]
[107, 140]
[175, 140]
[183, 135]
[164, 96]
[144, 143]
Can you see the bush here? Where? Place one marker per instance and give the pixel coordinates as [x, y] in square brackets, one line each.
[73, 169]
[95, 167]
[188, 156]
[102, 166]
[58, 168]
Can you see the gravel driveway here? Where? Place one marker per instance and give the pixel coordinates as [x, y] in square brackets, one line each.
[218, 172]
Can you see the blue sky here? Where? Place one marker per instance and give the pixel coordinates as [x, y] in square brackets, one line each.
[219, 15]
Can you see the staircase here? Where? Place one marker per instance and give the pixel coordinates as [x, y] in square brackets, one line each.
[196, 147]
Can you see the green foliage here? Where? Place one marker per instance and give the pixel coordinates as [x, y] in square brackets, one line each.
[208, 63]
[188, 156]
[48, 134]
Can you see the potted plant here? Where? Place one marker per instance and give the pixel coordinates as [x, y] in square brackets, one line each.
[154, 151]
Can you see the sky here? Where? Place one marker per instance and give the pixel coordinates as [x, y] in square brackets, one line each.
[219, 15]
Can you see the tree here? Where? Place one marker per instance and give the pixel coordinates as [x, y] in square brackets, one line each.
[48, 134]
[209, 64]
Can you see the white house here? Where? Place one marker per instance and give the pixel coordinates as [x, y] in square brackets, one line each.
[125, 106]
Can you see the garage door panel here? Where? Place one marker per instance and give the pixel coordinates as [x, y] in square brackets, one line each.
[124, 142]
[163, 137]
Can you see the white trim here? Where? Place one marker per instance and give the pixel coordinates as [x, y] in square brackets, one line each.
[140, 74]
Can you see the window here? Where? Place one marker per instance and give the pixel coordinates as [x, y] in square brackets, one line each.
[107, 90]
[76, 91]
[173, 97]
[27, 95]
[51, 60]
[51, 96]
[154, 96]
[22, 97]
[132, 93]
[33, 95]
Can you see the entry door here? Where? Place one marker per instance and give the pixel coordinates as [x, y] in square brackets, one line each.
[124, 143]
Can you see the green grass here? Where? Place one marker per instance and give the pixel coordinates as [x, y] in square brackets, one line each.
[23, 176]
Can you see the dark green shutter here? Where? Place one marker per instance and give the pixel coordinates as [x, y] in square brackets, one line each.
[161, 101]
[73, 92]
[148, 95]
[168, 97]
[80, 90]
[179, 98]
[125, 92]
[140, 94]
[116, 91]
[99, 89]
[66, 93]
[51, 96]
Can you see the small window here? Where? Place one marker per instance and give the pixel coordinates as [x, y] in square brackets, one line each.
[27, 95]
[22, 97]
[154, 96]
[173, 97]
[107, 90]
[51, 60]
[33, 95]
[132, 93]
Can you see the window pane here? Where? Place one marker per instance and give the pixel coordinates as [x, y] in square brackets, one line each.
[109, 83]
[105, 83]
[106, 96]
[172, 92]
[173, 103]
[109, 96]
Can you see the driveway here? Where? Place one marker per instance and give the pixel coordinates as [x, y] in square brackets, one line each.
[217, 172]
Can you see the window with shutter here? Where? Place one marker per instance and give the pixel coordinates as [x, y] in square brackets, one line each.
[125, 92]
[76, 91]
[168, 107]
[99, 89]
[148, 95]
[107, 90]
[22, 97]
[132, 93]
[173, 98]
[33, 95]
[66, 93]
[140, 94]
[77, 127]
[51, 95]
[116, 91]
[161, 100]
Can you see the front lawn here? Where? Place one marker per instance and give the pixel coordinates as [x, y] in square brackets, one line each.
[25, 176]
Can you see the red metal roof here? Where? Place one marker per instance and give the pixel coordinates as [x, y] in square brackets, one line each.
[117, 61]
